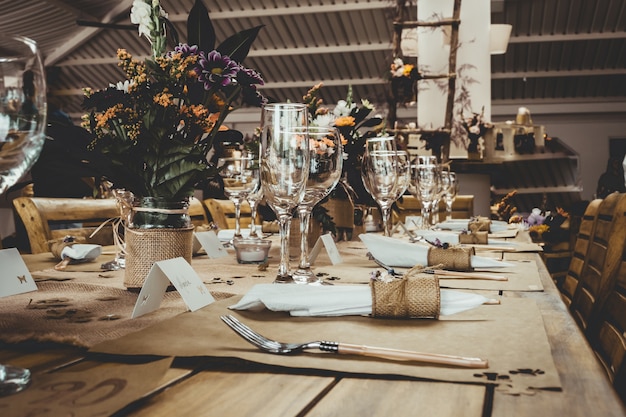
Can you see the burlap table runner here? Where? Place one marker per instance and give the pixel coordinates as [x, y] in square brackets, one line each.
[510, 336]
[79, 314]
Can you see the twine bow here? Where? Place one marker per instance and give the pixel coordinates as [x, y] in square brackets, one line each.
[416, 294]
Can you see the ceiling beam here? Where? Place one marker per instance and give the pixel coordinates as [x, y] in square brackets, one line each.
[346, 6]
[553, 74]
[84, 34]
[568, 37]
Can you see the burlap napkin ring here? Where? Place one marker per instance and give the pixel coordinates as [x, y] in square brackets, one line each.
[415, 295]
[474, 238]
[57, 245]
[479, 224]
[453, 258]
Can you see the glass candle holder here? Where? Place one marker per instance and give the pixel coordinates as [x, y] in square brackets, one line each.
[251, 251]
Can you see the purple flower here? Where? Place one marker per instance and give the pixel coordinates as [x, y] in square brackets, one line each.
[185, 50]
[248, 77]
[216, 69]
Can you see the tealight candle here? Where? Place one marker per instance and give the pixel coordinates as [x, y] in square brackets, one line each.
[251, 250]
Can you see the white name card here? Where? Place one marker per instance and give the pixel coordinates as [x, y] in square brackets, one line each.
[328, 243]
[15, 277]
[182, 276]
[211, 244]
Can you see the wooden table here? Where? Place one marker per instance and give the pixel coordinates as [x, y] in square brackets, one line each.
[217, 388]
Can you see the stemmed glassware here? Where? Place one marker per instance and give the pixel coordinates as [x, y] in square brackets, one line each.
[450, 187]
[284, 168]
[426, 177]
[22, 124]
[253, 199]
[124, 200]
[326, 161]
[241, 177]
[380, 175]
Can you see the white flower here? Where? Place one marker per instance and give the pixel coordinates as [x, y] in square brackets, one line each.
[366, 103]
[323, 120]
[123, 85]
[141, 14]
[342, 108]
[474, 129]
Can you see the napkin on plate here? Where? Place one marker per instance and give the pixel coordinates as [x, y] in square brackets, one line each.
[344, 300]
[398, 253]
[462, 224]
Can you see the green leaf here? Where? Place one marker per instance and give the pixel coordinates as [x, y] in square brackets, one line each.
[200, 29]
[238, 45]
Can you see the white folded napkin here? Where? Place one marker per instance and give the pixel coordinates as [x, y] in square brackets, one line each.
[344, 300]
[81, 252]
[462, 224]
[395, 252]
[451, 237]
[226, 235]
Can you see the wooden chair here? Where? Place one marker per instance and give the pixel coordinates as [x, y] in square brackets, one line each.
[222, 213]
[197, 212]
[602, 260]
[45, 219]
[607, 334]
[579, 254]
[462, 208]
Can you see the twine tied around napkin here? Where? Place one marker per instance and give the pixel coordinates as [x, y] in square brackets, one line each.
[479, 224]
[474, 238]
[453, 258]
[415, 295]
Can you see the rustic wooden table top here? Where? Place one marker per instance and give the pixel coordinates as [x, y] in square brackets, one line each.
[201, 386]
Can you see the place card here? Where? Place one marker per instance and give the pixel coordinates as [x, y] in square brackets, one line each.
[16, 278]
[411, 222]
[182, 276]
[328, 243]
[211, 244]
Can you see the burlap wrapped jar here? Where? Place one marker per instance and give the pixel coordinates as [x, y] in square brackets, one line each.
[158, 230]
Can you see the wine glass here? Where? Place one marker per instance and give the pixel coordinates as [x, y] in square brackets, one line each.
[380, 175]
[22, 124]
[325, 164]
[241, 177]
[451, 188]
[284, 168]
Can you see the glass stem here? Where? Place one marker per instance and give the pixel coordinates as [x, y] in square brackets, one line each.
[237, 215]
[252, 218]
[385, 211]
[426, 215]
[304, 214]
[284, 221]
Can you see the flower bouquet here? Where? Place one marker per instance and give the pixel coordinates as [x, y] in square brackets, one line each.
[153, 130]
[355, 124]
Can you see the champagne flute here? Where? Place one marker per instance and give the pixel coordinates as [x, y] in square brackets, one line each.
[451, 187]
[124, 200]
[427, 179]
[253, 199]
[22, 124]
[284, 168]
[326, 161]
[241, 177]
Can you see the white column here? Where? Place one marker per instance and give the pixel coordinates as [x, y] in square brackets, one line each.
[473, 84]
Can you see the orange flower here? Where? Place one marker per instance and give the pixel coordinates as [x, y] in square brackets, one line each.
[344, 121]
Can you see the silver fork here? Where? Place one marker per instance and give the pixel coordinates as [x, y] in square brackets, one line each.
[274, 346]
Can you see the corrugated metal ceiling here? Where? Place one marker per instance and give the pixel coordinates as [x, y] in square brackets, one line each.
[560, 50]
